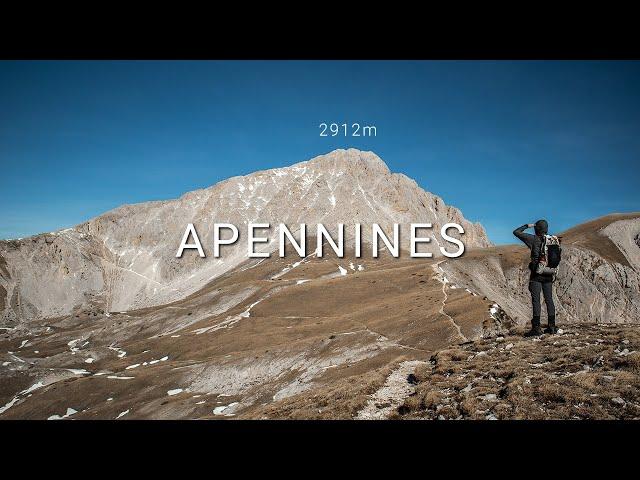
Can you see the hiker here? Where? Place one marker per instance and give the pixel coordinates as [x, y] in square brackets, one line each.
[545, 257]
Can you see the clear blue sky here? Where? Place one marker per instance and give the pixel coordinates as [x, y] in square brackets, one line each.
[506, 142]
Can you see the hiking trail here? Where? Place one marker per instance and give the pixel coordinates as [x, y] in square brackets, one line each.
[439, 276]
[392, 394]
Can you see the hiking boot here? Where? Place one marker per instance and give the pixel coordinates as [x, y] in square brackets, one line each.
[535, 331]
[551, 327]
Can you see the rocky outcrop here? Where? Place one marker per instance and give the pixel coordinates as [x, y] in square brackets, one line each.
[599, 278]
[125, 259]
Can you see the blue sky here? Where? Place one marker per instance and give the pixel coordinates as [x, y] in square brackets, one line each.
[506, 142]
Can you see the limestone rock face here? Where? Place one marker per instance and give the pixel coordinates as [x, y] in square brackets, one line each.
[125, 258]
[599, 278]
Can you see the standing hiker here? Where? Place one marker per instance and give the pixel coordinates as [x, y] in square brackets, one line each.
[545, 257]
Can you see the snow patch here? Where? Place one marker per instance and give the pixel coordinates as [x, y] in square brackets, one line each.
[13, 401]
[72, 345]
[70, 411]
[226, 410]
[121, 353]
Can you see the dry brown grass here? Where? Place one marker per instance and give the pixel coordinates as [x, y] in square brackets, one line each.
[588, 372]
[588, 235]
[338, 400]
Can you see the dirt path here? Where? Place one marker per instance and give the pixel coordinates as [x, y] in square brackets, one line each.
[393, 394]
[439, 276]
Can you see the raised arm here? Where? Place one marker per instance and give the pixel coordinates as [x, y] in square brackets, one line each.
[527, 238]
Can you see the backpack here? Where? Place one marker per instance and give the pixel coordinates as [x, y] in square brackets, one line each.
[549, 256]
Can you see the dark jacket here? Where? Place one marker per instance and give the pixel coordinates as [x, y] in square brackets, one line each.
[534, 242]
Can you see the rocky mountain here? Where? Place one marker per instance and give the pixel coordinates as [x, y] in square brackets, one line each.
[346, 338]
[599, 278]
[265, 332]
[101, 321]
[125, 259]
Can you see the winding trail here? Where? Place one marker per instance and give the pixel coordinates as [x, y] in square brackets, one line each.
[397, 387]
[439, 276]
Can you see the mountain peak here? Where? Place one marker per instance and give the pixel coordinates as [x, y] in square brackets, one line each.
[350, 158]
[125, 258]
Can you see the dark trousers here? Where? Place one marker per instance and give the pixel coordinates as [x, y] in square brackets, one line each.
[547, 290]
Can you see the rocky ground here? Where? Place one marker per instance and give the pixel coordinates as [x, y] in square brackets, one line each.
[270, 330]
[329, 339]
[586, 372]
